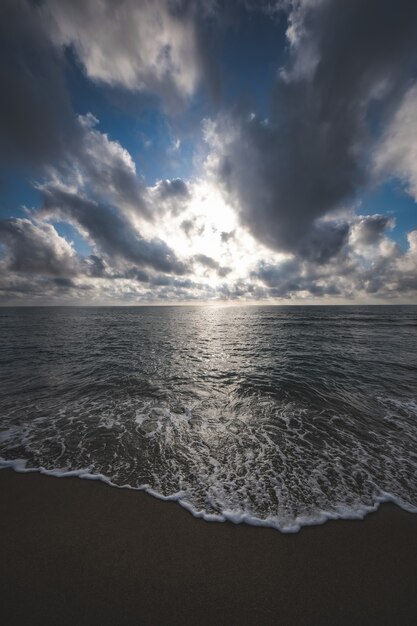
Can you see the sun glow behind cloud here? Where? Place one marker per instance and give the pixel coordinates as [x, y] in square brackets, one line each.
[259, 191]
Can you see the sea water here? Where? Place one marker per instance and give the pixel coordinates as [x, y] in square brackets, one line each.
[277, 416]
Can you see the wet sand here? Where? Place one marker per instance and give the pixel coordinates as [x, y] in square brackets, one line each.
[79, 552]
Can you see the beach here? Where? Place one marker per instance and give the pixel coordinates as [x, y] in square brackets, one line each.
[80, 552]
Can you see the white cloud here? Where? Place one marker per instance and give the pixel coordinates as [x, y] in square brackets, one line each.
[140, 46]
[396, 154]
[211, 254]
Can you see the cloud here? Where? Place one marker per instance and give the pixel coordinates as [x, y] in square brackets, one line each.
[396, 153]
[37, 123]
[368, 264]
[96, 266]
[270, 215]
[156, 46]
[192, 227]
[101, 169]
[36, 248]
[324, 240]
[169, 196]
[150, 46]
[226, 237]
[211, 264]
[369, 231]
[109, 230]
[349, 61]
[37, 265]
[175, 188]
[100, 193]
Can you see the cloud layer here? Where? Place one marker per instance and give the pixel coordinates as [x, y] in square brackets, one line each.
[148, 46]
[272, 209]
[349, 61]
[37, 122]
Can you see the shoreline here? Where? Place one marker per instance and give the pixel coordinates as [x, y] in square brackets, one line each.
[80, 552]
[19, 466]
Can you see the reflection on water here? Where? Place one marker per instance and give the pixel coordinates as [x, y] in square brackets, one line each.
[279, 415]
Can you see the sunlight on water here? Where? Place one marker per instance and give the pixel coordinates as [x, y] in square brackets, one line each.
[278, 416]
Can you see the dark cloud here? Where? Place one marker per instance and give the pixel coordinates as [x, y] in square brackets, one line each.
[135, 274]
[191, 226]
[324, 240]
[296, 278]
[36, 248]
[37, 124]
[211, 264]
[110, 231]
[95, 266]
[292, 177]
[108, 172]
[224, 271]
[348, 70]
[19, 289]
[207, 261]
[169, 196]
[161, 48]
[175, 188]
[64, 283]
[383, 270]
[38, 265]
[226, 237]
[187, 226]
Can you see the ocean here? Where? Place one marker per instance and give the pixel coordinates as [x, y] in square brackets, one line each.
[269, 415]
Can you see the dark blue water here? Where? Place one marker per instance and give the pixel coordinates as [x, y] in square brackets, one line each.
[282, 416]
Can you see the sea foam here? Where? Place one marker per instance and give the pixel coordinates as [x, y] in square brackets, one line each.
[269, 417]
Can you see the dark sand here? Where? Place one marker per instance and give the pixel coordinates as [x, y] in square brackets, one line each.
[79, 552]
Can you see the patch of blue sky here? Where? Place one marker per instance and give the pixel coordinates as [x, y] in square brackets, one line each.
[137, 122]
[164, 146]
[253, 53]
[17, 194]
[71, 234]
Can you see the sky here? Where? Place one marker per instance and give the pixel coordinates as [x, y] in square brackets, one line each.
[201, 151]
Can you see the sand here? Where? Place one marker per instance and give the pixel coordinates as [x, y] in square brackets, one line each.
[80, 552]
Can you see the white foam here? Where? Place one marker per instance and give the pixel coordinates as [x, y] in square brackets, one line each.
[261, 462]
[236, 517]
[258, 434]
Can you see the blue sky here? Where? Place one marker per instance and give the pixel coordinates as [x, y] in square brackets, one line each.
[195, 152]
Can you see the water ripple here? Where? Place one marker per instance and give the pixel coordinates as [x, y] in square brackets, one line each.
[281, 416]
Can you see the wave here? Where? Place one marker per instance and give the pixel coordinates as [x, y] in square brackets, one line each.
[235, 415]
[235, 517]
